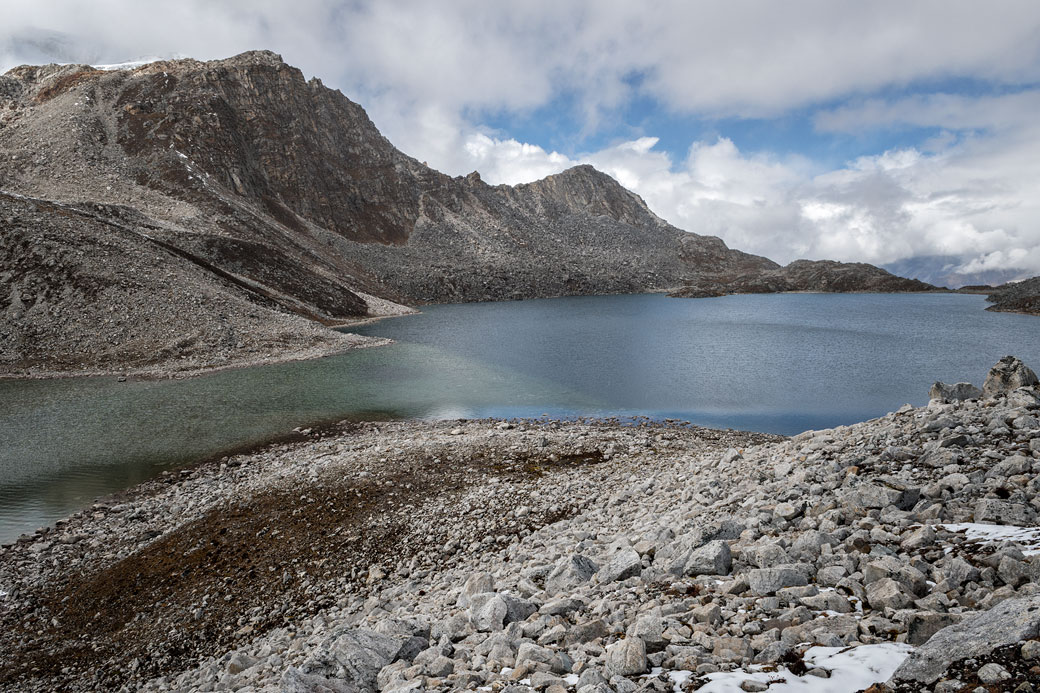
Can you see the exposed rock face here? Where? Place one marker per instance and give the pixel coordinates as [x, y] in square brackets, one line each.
[1016, 297]
[808, 275]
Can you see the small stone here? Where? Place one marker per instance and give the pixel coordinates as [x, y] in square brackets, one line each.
[993, 673]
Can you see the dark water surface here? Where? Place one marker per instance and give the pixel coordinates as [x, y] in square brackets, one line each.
[780, 363]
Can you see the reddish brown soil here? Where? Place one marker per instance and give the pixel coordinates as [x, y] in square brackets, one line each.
[263, 563]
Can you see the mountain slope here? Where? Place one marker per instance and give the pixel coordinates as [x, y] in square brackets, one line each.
[88, 290]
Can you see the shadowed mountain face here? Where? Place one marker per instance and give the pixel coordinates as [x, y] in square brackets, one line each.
[282, 193]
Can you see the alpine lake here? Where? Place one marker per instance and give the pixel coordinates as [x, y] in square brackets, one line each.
[775, 363]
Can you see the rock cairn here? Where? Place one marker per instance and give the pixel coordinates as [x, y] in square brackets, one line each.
[670, 559]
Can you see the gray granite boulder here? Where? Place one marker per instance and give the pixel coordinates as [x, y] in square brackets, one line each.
[1001, 512]
[763, 581]
[1008, 374]
[627, 657]
[714, 558]
[1009, 622]
[959, 391]
[570, 572]
[621, 566]
[347, 663]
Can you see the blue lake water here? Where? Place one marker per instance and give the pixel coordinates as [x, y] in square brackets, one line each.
[776, 363]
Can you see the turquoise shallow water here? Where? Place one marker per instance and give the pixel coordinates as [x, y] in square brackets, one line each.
[779, 363]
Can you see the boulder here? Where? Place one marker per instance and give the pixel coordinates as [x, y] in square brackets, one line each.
[491, 611]
[621, 566]
[959, 391]
[570, 572]
[763, 581]
[477, 583]
[767, 555]
[586, 631]
[346, 663]
[1009, 622]
[887, 593]
[714, 558]
[922, 625]
[529, 652]
[487, 612]
[1001, 512]
[1008, 374]
[891, 567]
[627, 657]
[873, 496]
[957, 571]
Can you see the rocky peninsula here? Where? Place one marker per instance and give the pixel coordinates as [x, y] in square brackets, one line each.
[1016, 297]
[542, 555]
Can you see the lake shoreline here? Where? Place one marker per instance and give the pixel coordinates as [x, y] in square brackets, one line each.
[171, 372]
[332, 533]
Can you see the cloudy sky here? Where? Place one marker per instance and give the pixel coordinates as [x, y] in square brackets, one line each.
[886, 132]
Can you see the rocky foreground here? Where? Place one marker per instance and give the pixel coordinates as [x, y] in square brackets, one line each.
[583, 556]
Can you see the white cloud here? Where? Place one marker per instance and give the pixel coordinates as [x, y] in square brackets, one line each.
[950, 111]
[431, 73]
[717, 56]
[977, 199]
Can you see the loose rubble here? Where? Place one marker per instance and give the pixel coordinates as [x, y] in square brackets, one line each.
[899, 554]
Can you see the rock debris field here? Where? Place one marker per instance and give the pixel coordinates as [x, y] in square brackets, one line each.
[899, 554]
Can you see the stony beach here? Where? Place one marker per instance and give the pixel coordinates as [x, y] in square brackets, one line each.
[588, 556]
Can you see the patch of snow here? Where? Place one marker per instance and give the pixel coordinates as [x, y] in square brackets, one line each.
[1027, 537]
[129, 65]
[852, 669]
[571, 679]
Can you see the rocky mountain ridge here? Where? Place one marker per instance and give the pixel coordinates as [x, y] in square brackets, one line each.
[283, 193]
[809, 275]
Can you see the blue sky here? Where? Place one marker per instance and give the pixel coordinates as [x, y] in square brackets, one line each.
[881, 132]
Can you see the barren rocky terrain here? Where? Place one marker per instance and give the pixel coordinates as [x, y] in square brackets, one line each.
[541, 555]
[806, 275]
[1016, 297]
